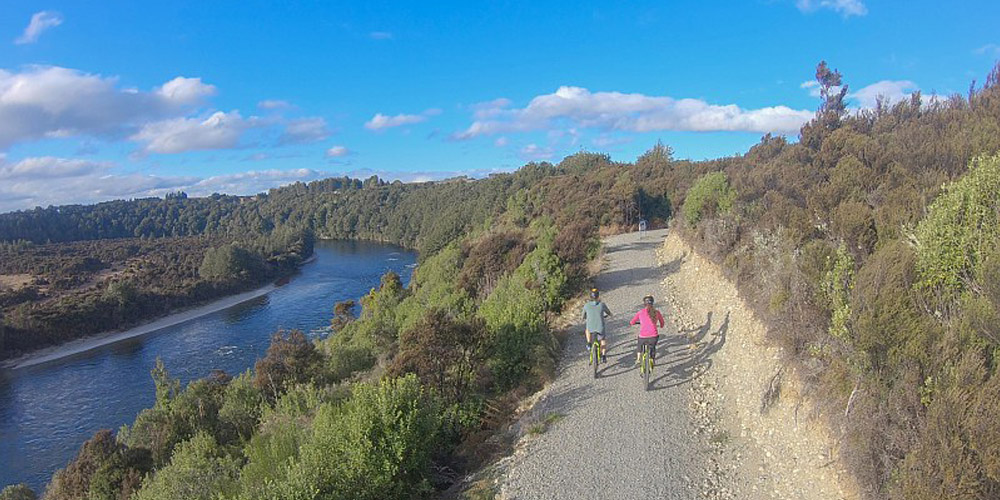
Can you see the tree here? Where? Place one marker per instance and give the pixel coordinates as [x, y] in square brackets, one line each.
[443, 352]
[18, 492]
[228, 262]
[198, 470]
[832, 91]
[291, 358]
[103, 469]
[343, 313]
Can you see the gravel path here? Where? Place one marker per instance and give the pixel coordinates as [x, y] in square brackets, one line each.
[607, 438]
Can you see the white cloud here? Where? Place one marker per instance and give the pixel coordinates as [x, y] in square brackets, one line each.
[40, 22]
[629, 112]
[381, 122]
[47, 181]
[489, 109]
[219, 131]
[305, 130]
[380, 35]
[47, 166]
[846, 8]
[275, 104]
[605, 140]
[185, 91]
[892, 91]
[49, 101]
[813, 87]
[501, 142]
[533, 152]
[988, 49]
[337, 152]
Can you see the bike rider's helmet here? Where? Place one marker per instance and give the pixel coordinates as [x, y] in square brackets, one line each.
[594, 293]
[648, 300]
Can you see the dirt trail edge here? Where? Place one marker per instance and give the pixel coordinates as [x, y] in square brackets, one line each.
[699, 432]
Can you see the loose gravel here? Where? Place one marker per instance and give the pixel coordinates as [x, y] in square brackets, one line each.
[607, 437]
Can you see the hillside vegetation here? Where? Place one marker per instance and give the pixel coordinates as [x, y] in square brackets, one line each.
[869, 246]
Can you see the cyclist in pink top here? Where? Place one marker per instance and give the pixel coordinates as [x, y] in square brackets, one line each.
[648, 318]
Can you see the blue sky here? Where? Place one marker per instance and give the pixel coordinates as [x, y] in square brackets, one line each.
[111, 99]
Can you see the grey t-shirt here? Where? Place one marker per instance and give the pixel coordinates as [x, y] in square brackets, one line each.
[594, 312]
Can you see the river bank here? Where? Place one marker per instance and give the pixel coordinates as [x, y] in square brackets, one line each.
[102, 339]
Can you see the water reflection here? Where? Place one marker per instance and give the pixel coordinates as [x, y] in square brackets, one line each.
[48, 410]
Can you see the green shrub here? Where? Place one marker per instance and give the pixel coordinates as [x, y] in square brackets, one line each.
[199, 470]
[377, 445]
[709, 196]
[962, 227]
[241, 408]
[18, 492]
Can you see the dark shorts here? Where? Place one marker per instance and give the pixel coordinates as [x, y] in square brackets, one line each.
[651, 342]
[597, 335]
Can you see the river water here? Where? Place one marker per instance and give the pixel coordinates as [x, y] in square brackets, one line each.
[47, 411]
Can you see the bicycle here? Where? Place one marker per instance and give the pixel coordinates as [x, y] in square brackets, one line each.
[645, 366]
[595, 354]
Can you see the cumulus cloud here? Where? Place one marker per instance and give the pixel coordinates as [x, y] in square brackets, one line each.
[48, 166]
[533, 152]
[380, 122]
[47, 181]
[218, 131]
[337, 152]
[185, 91]
[304, 131]
[40, 22]
[628, 112]
[50, 101]
[891, 91]
[846, 8]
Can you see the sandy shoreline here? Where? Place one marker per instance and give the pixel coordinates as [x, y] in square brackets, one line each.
[102, 339]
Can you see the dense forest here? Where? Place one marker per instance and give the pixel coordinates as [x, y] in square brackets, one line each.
[54, 292]
[870, 246]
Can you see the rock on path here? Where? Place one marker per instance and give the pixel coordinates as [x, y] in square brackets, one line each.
[610, 438]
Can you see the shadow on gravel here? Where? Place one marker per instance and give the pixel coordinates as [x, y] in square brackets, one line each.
[694, 356]
[612, 280]
[558, 402]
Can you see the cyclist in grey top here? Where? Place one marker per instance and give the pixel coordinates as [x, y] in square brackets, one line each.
[594, 312]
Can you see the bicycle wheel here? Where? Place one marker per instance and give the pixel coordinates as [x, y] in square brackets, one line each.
[648, 368]
[595, 356]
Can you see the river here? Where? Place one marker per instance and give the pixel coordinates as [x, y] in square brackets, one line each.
[48, 410]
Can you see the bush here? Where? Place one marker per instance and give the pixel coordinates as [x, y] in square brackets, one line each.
[103, 469]
[489, 258]
[377, 445]
[291, 359]
[241, 408]
[18, 492]
[444, 353]
[709, 196]
[961, 228]
[198, 470]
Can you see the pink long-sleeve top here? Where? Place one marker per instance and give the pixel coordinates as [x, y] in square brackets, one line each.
[647, 328]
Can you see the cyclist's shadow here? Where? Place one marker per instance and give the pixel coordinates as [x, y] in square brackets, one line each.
[694, 357]
[623, 354]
